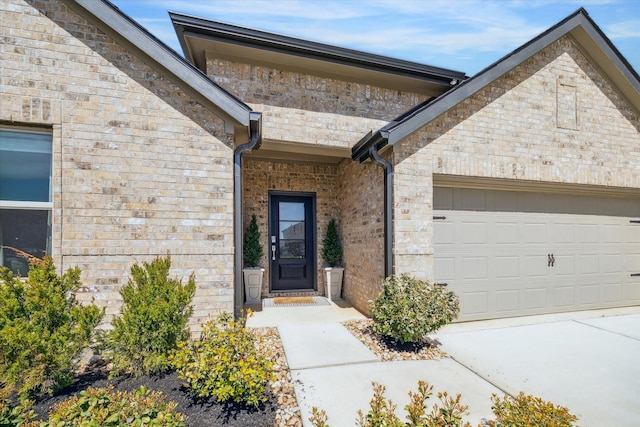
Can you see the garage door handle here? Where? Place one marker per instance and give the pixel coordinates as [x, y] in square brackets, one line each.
[441, 284]
[439, 217]
[550, 260]
[635, 221]
[635, 275]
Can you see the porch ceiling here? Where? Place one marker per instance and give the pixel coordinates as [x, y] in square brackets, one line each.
[299, 153]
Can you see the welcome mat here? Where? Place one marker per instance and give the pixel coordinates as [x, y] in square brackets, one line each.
[295, 302]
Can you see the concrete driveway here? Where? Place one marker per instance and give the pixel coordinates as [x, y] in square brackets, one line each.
[589, 364]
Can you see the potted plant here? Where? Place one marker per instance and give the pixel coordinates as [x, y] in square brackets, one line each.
[252, 253]
[332, 255]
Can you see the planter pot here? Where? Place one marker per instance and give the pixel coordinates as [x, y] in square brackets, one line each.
[333, 281]
[252, 284]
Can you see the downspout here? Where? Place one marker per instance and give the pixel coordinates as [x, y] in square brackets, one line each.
[388, 207]
[255, 140]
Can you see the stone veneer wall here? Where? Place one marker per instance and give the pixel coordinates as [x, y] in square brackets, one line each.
[362, 226]
[260, 177]
[261, 85]
[552, 119]
[140, 168]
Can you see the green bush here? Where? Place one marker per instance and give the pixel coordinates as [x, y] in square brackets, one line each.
[382, 412]
[43, 329]
[331, 247]
[523, 410]
[408, 309]
[224, 363]
[14, 415]
[527, 410]
[252, 250]
[153, 319]
[106, 408]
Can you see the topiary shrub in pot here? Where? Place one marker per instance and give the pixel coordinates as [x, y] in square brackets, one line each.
[332, 255]
[252, 253]
[407, 309]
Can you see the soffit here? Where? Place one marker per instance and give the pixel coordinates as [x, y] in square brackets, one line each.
[299, 153]
[200, 48]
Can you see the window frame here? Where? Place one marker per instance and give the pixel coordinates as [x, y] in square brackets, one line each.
[31, 205]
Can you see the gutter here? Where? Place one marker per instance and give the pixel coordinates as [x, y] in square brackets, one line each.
[254, 143]
[388, 207]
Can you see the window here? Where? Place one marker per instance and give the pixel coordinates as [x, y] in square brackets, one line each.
[25, 196]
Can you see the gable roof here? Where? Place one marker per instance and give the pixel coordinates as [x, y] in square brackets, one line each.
[198, 36]
[585, 32]
[130, 34]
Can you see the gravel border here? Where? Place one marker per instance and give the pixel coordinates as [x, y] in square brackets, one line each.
[288, 413]
[388, 350]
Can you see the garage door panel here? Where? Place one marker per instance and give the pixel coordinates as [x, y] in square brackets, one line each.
[564, 265]
[507, 267]
[506, 232]
[535, 298]
[446, 268]
[474, 232]
[632, 232]
[588, 264]
[563, 296]
[588, 233]
[474, 268]
[612, 263]
[613, 292]
[631, 291]
[475, 302]
[534, 232]
[613, 233]
[507, 300]
[536, 265]
[444, 234]
[563, 233]
[588, 294]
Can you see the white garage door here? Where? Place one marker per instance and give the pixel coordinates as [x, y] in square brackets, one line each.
[509, 253]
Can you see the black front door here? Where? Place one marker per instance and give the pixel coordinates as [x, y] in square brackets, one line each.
[292, 242]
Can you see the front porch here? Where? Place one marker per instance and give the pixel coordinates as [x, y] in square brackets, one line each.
[293, 202]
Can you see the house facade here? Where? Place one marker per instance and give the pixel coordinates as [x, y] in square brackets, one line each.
[519, 187]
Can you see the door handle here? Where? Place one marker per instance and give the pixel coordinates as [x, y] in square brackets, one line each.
[273, 248]
[550, 260]
[553, 260]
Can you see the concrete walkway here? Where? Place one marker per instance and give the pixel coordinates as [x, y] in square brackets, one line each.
[584, 361]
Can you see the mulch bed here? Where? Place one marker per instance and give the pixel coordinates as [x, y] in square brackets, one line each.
[198, 413]
[280, 410]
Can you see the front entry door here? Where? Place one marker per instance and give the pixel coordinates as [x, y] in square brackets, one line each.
[292, 242]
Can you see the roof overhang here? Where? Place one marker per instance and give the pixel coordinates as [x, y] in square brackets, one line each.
[201, 38]
[589, 39]
[156, 54]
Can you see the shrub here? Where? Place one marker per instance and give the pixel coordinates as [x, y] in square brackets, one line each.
[408, 309]
[382, 411]
[43, 328]
[14, 415]
[106, 408]
[527, 410]
[331, 247]
[252, 250]
[153, 319]
[224, 363]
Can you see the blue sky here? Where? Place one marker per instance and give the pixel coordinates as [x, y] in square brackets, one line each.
[463, 35]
